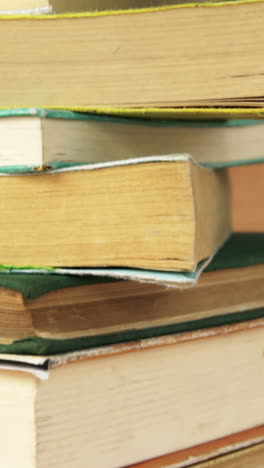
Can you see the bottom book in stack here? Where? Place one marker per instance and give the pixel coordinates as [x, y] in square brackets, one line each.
[109, 374]
[117, 405]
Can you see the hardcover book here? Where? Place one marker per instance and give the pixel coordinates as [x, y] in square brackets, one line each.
[43, 312]
[119, 405]
[41, 137]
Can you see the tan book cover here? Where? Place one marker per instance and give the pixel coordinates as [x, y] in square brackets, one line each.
[247, 198]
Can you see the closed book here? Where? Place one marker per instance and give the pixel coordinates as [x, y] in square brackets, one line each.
[135, 58]
[160, 213]
[41, 313]
[119, 405]
[40, 137]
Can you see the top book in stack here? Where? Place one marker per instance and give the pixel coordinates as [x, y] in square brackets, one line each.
[166, 56]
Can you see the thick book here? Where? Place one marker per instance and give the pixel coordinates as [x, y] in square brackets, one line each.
[160, 213]
[39, 312]
[119, 405]
[154, 57]
[42, 137]
[217, 454]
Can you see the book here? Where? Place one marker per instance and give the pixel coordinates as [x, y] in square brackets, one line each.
[251, 456]
[148, 65]
[123, 404]
[44, 137]
[11, 7]
[175, 279]
[160, 213]
[44, 6]
[247, 198]
[94, 311]
[64, 6]
[213, 452]
[175, 113]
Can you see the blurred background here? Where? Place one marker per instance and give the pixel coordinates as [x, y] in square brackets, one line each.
[247, 198]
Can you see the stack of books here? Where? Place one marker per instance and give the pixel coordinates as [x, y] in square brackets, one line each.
[131, 317]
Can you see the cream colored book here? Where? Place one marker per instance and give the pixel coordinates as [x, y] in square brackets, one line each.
[118, 405]
[39, 137]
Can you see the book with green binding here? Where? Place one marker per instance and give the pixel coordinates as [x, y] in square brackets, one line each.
[47, 313]
[35, 138]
